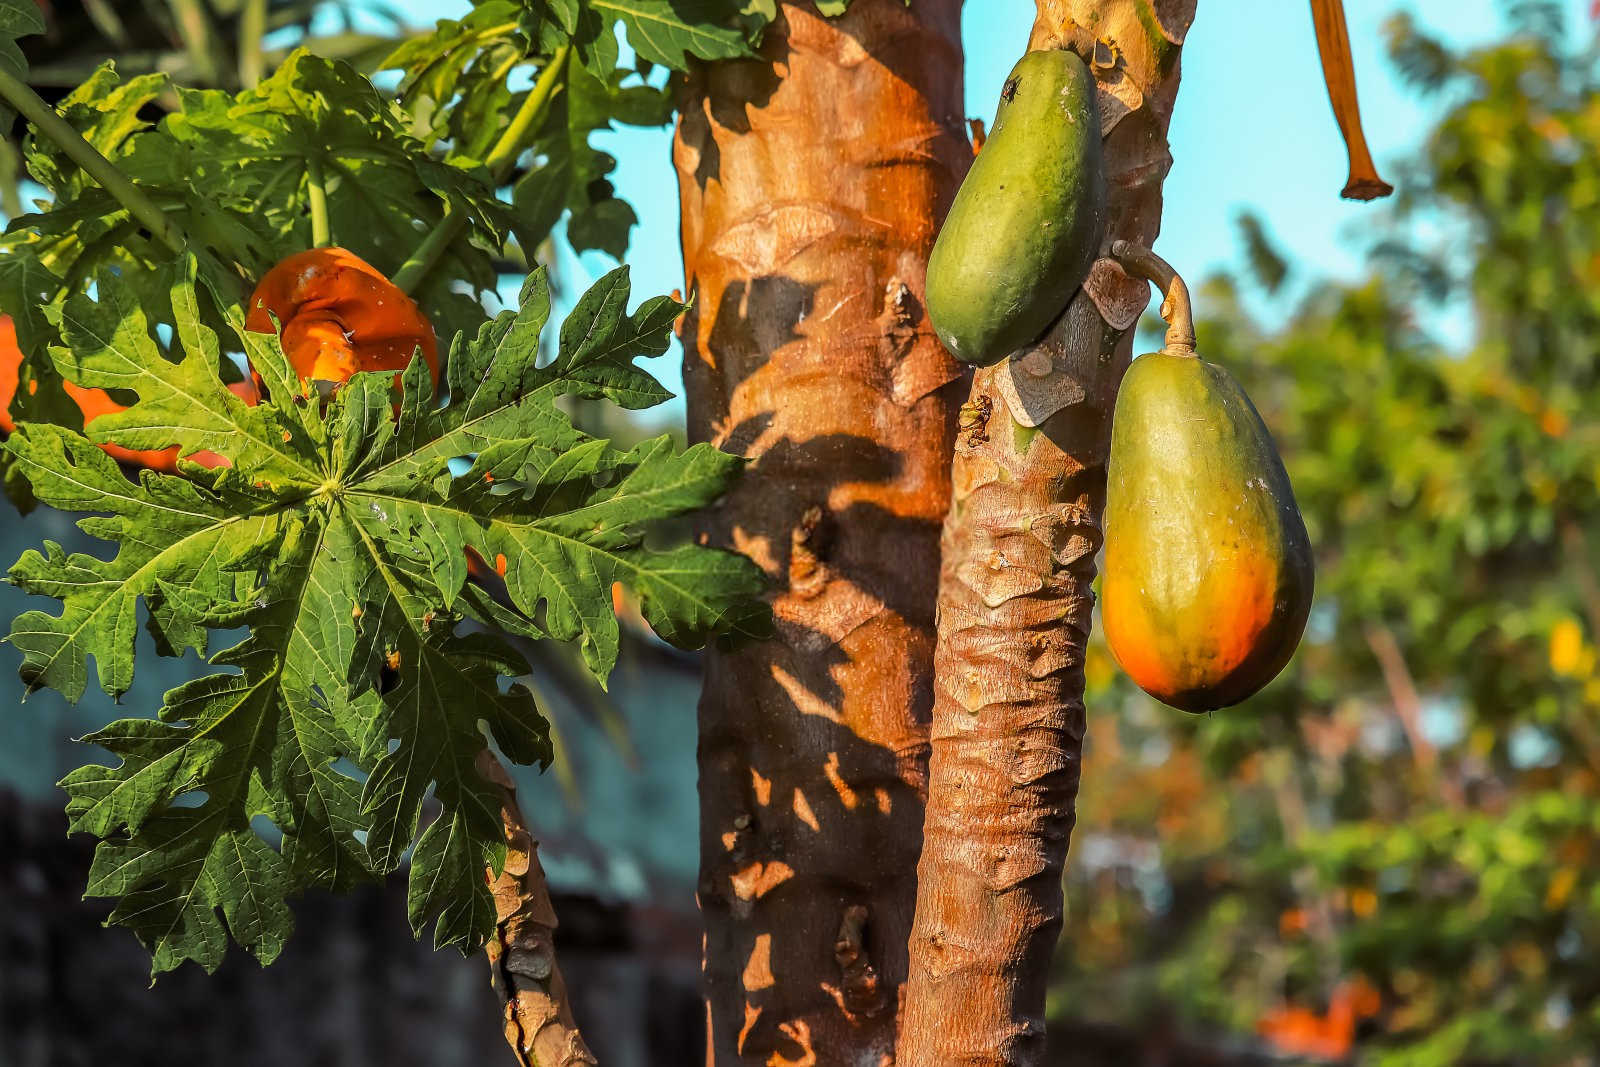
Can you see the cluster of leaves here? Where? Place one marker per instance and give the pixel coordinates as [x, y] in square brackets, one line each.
[234, 173]
[1415, 805]
[462, 77]
[337, 537]
[237, 172]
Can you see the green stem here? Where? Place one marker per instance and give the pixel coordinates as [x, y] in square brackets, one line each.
[529, 117]
[252, 27]
[10, 176]
[1140, 262]
[86, 156]
[429, 252]
[317, 193]
[502, 157]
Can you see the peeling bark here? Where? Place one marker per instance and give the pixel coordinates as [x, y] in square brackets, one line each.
[1015, 602]
[539, 1025]
[811, 184]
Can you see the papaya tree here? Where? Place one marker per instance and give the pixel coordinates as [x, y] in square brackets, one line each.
[347, 456]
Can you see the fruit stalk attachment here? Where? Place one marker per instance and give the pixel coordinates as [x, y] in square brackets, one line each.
[1176, 307]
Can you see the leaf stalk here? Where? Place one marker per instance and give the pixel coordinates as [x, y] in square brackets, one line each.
[47, 121]
[317, 195]
[502, 157]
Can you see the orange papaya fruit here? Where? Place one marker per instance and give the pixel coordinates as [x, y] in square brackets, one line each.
[1208, 567]
[96, 402]
[339, 315]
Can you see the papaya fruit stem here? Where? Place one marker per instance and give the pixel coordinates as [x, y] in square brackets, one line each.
[1176, 307]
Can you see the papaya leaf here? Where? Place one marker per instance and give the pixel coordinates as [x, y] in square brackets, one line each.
[105, 109]
[233, 171]
[466, 67]
[18, 18]
[371, 677]
[467, 61]
[669, 32]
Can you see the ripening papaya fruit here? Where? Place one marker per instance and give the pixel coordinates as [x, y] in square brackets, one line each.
[1208, 572]
[340, 315]
[97, 402]
[1027, 223]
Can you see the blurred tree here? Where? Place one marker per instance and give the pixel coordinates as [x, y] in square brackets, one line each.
[1393, 854]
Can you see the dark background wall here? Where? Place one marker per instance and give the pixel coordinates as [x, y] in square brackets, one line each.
[351, 990]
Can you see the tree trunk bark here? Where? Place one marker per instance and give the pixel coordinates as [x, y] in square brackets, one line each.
[1015, 602]
[812, 182]
[539, 1025]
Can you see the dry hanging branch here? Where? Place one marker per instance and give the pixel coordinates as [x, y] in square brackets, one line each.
[1014, 598]
[1333, 43]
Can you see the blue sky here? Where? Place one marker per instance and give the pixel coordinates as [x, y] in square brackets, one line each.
[1252, 130]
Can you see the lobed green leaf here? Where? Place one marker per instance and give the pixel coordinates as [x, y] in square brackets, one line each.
[371, 678]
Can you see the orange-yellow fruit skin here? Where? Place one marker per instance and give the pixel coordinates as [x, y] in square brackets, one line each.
[340, 315]
[10, 370]
[1208, 574]
[96, 402]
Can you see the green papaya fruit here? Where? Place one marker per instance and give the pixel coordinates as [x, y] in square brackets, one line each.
[1208, 570]
[1029, 219]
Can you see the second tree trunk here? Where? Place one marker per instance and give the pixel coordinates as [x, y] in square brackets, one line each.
[1015, 602]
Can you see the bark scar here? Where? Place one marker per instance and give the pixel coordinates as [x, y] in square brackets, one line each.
[973, 420]
[808, 550]
[863, 993]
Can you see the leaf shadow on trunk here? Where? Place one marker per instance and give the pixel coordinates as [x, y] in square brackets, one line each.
[755, 80]
[742, 84]
[744, 343]
[843, 758]
[801, 901]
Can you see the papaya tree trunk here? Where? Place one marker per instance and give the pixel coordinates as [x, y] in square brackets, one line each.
[812, 181]
[1015, 602]
[539, 1025]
